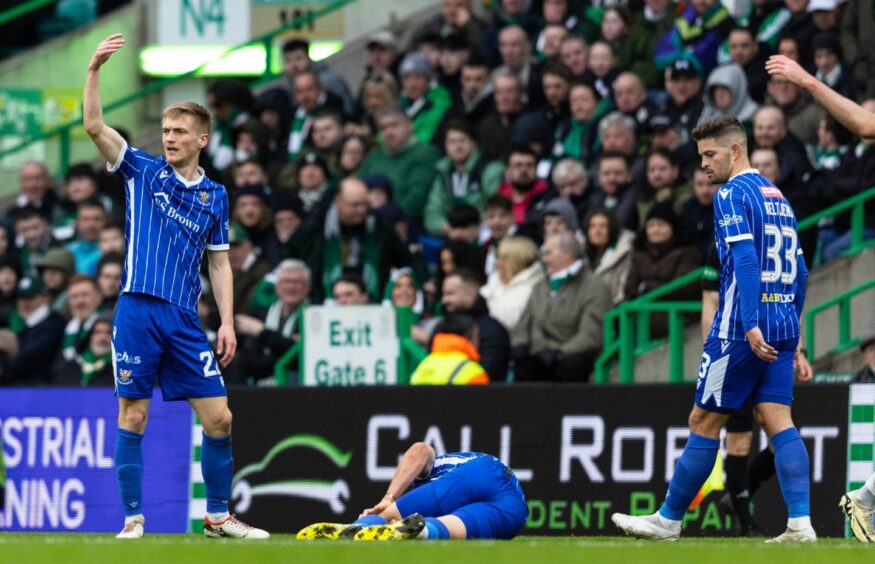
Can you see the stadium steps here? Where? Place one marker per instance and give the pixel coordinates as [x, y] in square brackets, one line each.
[824, 282]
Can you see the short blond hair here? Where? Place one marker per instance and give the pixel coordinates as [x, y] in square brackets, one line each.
[518, 253]
[202, 118]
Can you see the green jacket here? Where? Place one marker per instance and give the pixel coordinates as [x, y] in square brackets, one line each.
[430, 114]
[482, 181]
[637, 52]
[411, 170]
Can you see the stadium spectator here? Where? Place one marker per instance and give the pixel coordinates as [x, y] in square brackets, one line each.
[463, 223]
[382, 54]
[456, 18]
[453, 53]
[617, 135]
[866, 375]
[273, 108]
[424, 101]
[267, 338]
[458, 255]
[379, 190]
[112, 239]
[673, 137]
[746, 52]
[109, 277]
[770, 132]
[608, 250]
[559, 216]
[90, 220]
[349, 289]
[313, 180]
[9, 275]
[614, 29]
[498, 218]
[766, 18]
[508, 288]
[35, 189]
[630, 98]
[506, 14]
[684, 104]
[857, 31]
[573, 53]
[658, 259]
[464, 175]
[474, 101]
[833, 142]
[403, 290]
[602, 68]
[310, 99]
[615, 190]
[230, 102]
[55, 269]
[560, 331]
[251, 210]
[247, 267]
[80, 184]
[801, 27]
[697, 213]
[296, 59]
[460, 295]
[495, 130]
[549, 41]
[353, 150]
[287, 218]
[726, 94]
[83, 297]
[347, 236]
[824, 15]
[32, 229]
[326, 136]
[696, 35]
[251, 141]
[524, 189]
[663, 182]
[379, 91]
[571, 182]
[453, 359]
[36, 334]
[516, 58]
[801, 113]
[828, 62]
[645, 29]
[576, 136]
[407, 162]
[92, 363]
[556, 83]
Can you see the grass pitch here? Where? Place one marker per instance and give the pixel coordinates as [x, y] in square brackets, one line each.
[33, 548]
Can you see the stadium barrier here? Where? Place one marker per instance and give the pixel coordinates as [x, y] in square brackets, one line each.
[318, 454]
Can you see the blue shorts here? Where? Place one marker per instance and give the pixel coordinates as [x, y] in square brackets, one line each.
[154, 339]
[483, 493]
[731, 373]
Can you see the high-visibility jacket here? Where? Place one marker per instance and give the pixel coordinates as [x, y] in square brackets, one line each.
[453, 360]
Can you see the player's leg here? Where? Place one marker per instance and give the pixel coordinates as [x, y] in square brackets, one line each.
[859, 506]
[128, 457]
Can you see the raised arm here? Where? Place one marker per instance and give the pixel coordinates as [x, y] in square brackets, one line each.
[108, 140]
[849, 113]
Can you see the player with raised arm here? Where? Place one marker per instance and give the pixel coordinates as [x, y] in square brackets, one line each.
[858, 505]
[750, 350]
[173, 213]
[458, 495]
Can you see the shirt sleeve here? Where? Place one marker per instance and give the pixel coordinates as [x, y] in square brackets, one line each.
[130, 162]
[730, 214]
[218, 240]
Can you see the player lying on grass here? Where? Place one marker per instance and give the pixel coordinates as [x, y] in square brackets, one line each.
[858, 505]
[459, 495]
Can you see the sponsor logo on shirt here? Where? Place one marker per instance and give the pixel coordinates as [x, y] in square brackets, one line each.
[771, 192]
[730, 220]
[127, 358]
[775, 298]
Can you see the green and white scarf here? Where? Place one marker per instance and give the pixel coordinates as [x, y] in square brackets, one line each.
[74, 333]
[358, 254]
[559, 279]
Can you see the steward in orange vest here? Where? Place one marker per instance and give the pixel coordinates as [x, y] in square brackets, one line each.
[454, 356]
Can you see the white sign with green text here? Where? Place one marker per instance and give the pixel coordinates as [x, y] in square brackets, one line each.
[350, 346]
[203, 22]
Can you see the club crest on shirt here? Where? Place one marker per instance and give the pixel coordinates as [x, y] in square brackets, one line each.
[124, 376]
[204, 197]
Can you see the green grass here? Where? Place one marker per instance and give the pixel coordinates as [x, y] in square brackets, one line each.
[32, 548]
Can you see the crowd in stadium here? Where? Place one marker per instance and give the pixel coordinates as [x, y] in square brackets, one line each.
[531, 170]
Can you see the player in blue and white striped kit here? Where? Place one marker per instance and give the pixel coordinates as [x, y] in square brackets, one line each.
[173, 213]
[753, 342]
[458, 495]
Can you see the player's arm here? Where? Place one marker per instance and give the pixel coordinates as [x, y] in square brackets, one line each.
[710, 301]
[416, 463]
[107, 139]
[800, 359]
[222, 280]
[846, 111]
[747, 276]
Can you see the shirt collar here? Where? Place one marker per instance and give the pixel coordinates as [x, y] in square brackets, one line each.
[746, 171]
[573, 269]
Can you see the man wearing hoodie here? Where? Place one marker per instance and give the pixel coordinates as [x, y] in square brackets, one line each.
[726, 94]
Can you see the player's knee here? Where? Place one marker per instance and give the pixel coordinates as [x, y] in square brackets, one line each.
[133, 419]
[219, 424]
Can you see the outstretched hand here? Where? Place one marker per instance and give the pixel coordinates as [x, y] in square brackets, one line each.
[106, 48]
[785, 67]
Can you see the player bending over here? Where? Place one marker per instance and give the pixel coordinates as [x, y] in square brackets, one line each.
[858, 505]
[459, 495]
[172, 213]
[750, 349]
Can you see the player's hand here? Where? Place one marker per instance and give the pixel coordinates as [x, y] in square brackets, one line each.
[760, 347]
[226, 344]
[779, 65]
[106, 48]
[801, 366]
[379, 508]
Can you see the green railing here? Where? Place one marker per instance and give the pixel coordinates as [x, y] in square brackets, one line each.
[626, 328]
[843, 301]
[410, 354]
[23, 9]
[63, 131]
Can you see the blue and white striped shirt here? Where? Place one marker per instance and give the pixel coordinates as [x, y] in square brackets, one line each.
[751, 207]
[168, 224]
[446, 463]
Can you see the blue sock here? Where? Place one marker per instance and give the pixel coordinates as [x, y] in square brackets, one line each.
[369, 520]
[217, 467]
[436, 529]
[791, 462]
[693, 468]
[129, 470]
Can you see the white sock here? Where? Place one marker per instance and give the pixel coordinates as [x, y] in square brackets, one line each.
[866, 495]
[423, 534]
[799, 523]
[670, 524]
[135, 517]
[217, 517]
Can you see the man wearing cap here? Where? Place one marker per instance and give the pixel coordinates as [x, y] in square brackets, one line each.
[424, 101]
[247, 267]
[866, 375]
[313, 180]
[684, 104]
[408, 162]
[36, 335]
[55, 269]
[673, 137]
[382, 57]
[296, 59]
